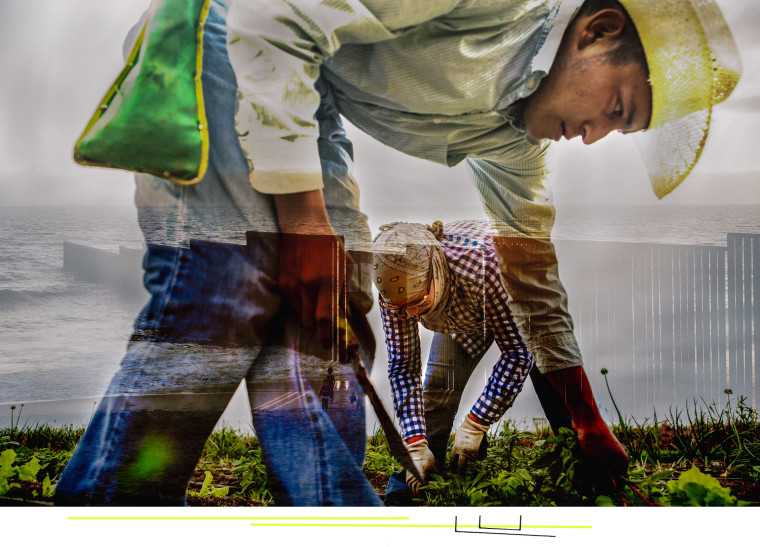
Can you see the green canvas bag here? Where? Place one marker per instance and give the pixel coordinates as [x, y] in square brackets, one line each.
[152, 119]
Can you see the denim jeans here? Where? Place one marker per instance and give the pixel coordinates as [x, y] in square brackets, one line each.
[214, 319]
[448, 370]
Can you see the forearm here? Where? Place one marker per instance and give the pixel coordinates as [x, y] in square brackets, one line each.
[518, 203]
[302, 213]
[408, 401]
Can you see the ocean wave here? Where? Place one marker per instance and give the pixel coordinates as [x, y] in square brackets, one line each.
[10, 297]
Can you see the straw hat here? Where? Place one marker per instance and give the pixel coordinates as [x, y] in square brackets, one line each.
[693, 65]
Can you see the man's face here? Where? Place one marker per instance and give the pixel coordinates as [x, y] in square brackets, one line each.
[424, 305]
[588, 96]
[417, 305]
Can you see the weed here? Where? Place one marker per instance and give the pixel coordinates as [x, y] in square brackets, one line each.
[226, 444]
[378, 459]
[45, 436]
[253, 475]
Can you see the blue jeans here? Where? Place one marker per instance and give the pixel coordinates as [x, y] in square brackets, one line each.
[448, 370]
[214, 319]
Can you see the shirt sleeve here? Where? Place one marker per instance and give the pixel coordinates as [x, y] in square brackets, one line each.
[516, 199]
[511, 370]
[276, 48]
[505, 383]
[402, 341]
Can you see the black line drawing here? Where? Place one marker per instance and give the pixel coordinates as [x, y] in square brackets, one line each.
[519, 525]
[498, 531]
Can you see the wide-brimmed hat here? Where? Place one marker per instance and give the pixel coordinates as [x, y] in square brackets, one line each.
[693, 65]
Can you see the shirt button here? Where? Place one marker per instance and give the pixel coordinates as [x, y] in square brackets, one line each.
[437, 120]
[532, 84]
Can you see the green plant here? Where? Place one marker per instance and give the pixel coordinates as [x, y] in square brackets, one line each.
[207, 490]
[7, 442]
[35, 436]
[48, 489]
[642, 487]
[542, 472]
[378, 458]
[7, 471]
[52, 461]
[225, 444]
[253, 475]
[694, 488]
[521, 467]
[454, 490]
[25, 472]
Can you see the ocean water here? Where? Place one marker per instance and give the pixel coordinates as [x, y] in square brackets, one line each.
[61, 337]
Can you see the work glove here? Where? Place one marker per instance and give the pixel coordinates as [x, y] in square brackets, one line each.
[424, 461]
[467, 444]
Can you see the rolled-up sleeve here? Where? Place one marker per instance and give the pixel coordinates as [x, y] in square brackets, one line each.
[520, 207]
[276, 48]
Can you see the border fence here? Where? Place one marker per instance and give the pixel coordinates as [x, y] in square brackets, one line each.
[683, 321]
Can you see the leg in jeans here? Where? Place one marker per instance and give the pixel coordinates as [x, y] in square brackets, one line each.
[204, 326]
[313, 456]
[192, 345]
[448, 370]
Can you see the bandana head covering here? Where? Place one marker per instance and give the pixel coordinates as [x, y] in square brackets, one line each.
[403, 253]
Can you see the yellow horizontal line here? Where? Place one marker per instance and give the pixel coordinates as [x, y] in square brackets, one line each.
[508, 528]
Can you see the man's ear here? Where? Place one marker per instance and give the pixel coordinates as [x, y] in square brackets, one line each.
[602, 28]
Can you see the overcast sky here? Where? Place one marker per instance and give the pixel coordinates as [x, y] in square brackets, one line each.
[59, 57]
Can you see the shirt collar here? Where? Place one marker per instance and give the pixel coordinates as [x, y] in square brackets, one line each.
[564, 13]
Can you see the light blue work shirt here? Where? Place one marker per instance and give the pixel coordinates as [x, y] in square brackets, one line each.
[436, 79]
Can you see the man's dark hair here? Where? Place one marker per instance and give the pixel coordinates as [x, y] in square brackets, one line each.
[629, 49]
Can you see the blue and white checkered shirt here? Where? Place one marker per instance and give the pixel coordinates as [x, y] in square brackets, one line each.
[476, 315]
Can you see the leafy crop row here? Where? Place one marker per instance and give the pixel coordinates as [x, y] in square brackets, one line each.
[701, 455]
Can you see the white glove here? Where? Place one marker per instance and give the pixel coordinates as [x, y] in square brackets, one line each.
[467, 443]
[423, 460]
